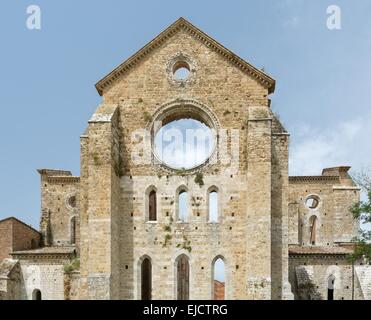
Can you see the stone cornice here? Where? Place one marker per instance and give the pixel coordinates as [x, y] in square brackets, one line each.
[43, 255]
[182, 24]
[318, 255]
[260, 119]
[63, 179]
[55, 256]
[320, 179]
[61, 253]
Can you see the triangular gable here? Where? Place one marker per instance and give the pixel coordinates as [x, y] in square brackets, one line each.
[182, 24]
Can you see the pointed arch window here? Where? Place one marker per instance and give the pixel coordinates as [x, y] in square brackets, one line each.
[182, 204]
[182, 269]
[151, 204]
[213, 204]
[36, 295]
[146, 279]
[330, 287]
[218, 284]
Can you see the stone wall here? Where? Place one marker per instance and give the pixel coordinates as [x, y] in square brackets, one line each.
[59, 206]
[72, 285]
[318, 269]
[46, 275]
[114, 230]
[262, 210]
[11, 280]
[335, 223]
[6, 241]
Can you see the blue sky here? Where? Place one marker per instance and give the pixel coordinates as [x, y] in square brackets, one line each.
[47, 77]
[184, 143]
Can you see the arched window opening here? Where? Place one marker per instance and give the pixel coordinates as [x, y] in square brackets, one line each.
[36, 295]
[330, 287]
[218, 279]
[182, 267]
[73, 230]
[313, 227]
[312, 202]
[71, 201]
[181, 70]
[146, 278]
[183, 205]
[152, 206]
[213, 206]
[183, 143]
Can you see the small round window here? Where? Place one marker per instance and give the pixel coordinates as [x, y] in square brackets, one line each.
[181, 70]
[312, 202]
[71, 201]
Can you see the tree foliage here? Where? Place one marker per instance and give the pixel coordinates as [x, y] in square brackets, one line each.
[362, 212]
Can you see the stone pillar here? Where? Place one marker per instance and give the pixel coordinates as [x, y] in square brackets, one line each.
[100, 203]
[281, 288]
[84, 219]
[258, 219]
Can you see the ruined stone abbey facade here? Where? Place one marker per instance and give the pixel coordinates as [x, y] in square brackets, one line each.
[114, 232]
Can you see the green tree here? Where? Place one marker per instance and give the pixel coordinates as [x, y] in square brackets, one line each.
[362, 211]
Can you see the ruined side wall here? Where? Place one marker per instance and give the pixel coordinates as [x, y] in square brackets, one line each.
[101, 200]
[258, 209]
[335, 223]
[280, 220]
[84, 217]
[58, 209]
[322, 267]
[11, 280]
[204, 241]
[6, 235]
[44, 275]
[72, 282]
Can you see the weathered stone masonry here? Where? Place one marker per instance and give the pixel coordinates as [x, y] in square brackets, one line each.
[280, 237]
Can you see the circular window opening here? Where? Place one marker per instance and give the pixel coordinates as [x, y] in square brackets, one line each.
[184, 143]
[312, 202]
[72, 201]
[181, 70]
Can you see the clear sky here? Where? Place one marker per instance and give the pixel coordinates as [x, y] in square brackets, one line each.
[47, 77]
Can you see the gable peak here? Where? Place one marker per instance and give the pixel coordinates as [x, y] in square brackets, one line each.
[183, 24]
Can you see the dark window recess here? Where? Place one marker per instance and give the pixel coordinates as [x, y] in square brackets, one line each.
[146, 273]
[330, 294]
[36, 295]
[73, 230]
[72, 201]
[313, 224]
[152, 206]
[183, 278]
